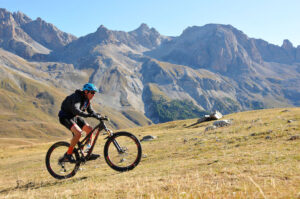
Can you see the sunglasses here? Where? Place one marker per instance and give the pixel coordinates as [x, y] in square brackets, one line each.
[92, 92]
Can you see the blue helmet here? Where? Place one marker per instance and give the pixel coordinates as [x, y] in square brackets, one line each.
[89, 87]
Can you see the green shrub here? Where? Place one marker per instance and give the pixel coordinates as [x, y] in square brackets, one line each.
[175, 110]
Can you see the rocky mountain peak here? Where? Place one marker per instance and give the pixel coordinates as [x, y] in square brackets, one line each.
[103, 30]
[212, 30]
[147, 37]
[143, 28]
[216, 47]
[21, 18]
[102, 34]
[6, 17]
[47, 34]
[44, 25]
[40, 21]
[287, 44]
[25, 37]
[7, 25]
[4, 13]
[195, 29]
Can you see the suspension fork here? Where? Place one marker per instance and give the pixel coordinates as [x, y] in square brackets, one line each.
[110, 135]
[120, 150]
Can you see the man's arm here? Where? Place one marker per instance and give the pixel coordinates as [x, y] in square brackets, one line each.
[91, 111]
[76, 109]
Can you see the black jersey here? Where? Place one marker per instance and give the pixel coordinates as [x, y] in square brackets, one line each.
[76, 104]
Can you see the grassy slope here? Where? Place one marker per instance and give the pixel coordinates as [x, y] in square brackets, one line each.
[237, 161]
[29, 110]
[30, 101]
[25, 115]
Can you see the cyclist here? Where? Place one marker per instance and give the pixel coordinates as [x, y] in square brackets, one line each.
[73, 108]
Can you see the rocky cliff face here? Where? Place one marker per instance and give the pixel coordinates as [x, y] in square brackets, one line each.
[214, 66]
[250, 65]
[114, 59]
[206, 89]
[47, 34]
[147, 37]
[215, 47]
[25, 37]
[98, 43]
[286, 54]
[14, 39]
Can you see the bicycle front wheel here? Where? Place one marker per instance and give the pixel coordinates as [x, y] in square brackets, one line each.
[57, 168]
[122, 151]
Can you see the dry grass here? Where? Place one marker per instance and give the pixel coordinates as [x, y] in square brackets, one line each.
[252, 158]
[21, 107]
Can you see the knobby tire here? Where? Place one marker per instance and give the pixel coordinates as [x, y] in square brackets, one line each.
[50, 164]
[135, 145]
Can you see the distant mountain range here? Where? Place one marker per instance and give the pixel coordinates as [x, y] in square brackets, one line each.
[143, 74]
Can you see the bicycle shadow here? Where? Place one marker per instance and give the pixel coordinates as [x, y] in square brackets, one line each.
[33, 185]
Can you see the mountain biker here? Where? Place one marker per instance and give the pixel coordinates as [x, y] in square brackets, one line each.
[72, 110]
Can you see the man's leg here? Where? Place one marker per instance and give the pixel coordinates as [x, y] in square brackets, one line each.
[77, 134]
[87, 128]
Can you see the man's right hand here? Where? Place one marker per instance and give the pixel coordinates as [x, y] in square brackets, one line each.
[96, 115]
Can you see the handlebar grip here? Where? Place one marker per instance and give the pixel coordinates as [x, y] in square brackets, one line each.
[105, 118]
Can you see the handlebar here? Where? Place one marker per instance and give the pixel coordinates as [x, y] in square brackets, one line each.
[105, 118]
[103, 126]
[99, 117]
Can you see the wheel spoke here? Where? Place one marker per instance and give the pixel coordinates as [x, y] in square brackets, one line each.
[56, 166]
[128, 155]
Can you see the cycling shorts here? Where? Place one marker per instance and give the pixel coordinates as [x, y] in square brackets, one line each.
[70, 122]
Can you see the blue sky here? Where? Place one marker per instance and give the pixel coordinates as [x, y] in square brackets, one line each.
[270, 20]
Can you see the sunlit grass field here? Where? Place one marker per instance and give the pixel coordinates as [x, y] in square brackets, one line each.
[258, 156]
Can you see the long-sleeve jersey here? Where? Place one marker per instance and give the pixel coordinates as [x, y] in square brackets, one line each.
[75, 105]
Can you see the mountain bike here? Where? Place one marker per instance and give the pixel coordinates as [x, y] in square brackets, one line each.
[122, 152]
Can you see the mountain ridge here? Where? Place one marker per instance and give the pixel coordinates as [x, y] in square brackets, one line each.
[214, 66]
[26, 37]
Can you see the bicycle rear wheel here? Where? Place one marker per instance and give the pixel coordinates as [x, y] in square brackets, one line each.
[122, 151]
[58, 169]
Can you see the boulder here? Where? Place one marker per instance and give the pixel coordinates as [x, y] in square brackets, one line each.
[294, 137]
[148, 138]
[221, 123]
